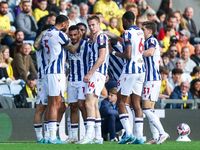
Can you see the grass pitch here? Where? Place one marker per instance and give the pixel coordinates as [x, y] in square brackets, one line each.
[31, 145]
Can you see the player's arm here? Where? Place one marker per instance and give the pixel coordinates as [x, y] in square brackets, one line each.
[37, 44]
[113, 36]
[71, 48]
[100, 60]
[149, 52]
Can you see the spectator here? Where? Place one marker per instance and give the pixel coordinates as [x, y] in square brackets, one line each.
[166, 5]
[22, 63]
[161, 46]
[182, 22]
[184, 36]
[172, 21]
[160, 24]
[195, 90]
[63, 7]
[188, 14]
[102, 25]
[40, 12]
[150, 15]
[196, 57]
[73, 15]
[83, 14]
[103, 6]
[176, 79]
[123, 9]
[169, 32]
[185, 76]
[165, 59]
[181, 92]
[195, 73]
[30, 89]
[139, 22]
[113, 26]
[189, 64]
[173, 59]
[164, 89]
[26, 22]
[18, 9]
[5, 25]
[0, 38]
[142, 6]
[19, 37]
[51, 6]
[50, 19]
[110, 116]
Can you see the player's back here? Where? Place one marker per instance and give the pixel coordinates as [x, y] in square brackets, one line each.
[152, 62]
[54, 53]
[134, 36]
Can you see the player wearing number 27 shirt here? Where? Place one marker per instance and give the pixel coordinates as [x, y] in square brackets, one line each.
[131, 80]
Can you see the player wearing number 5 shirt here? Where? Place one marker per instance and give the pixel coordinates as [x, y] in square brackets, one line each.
[54, 42]
[131, 80]
[152, 82]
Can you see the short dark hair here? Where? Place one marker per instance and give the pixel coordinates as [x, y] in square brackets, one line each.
[52, 14]
[17, 31]
[39, 1]
[3, 2]
[164, 70]
[46, 26]
[171, 16]
[61, 18]
[25, 2]
[150, 25]
[129, 16]
[165, 55]
[167, 28]
[93, 17]
[73, 27]
[172, 45]
[82, 24]
[177, 71]
[98, 13]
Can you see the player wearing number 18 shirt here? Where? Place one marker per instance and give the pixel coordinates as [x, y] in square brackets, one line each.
[131, 80]
[152, 82]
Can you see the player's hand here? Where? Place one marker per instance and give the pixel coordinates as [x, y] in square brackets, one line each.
[86, 78]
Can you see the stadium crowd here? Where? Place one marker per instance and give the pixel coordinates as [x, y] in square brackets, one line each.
[21, 22]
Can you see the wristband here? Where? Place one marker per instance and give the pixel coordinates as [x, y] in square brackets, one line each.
[113, 53]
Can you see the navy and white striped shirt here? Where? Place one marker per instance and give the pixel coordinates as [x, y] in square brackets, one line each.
[101, 42]
[134, 36]
[116, 63]
[40, 63]
[78, 62]
[152, 62]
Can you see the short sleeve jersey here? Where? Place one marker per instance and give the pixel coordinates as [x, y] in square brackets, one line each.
[134, 36]
[54, 53]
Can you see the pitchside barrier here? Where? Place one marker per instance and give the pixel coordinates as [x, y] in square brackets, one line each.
[17, 124]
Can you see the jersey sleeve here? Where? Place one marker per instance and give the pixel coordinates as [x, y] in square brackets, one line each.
[101, 41]
[152, 43]
[63, 38]
[127, 38]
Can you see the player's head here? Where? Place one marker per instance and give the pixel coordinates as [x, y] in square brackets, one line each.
[63, 22]
[149, 28]
[128, 19]
[93, 23]
[74, 33]
[83, 28]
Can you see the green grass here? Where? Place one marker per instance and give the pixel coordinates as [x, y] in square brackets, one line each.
[31, 145]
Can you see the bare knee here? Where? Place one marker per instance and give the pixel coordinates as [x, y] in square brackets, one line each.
[81, 104]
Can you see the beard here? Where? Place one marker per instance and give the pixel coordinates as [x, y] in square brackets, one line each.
[3, 13]
[19, 40]
[64, 29]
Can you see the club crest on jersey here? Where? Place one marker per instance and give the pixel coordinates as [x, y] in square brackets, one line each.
[39, 89]
[58, 80]
[101, 40]
[97, 79]
[124, 79]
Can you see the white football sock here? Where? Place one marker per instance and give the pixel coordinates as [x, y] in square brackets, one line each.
[38, 131]
[97, 128]
[74, 129]
[153, 119]
[125, 123]
[46, 130]
[69, 127]
[90, 126]
[139, 127]
[52, 129]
